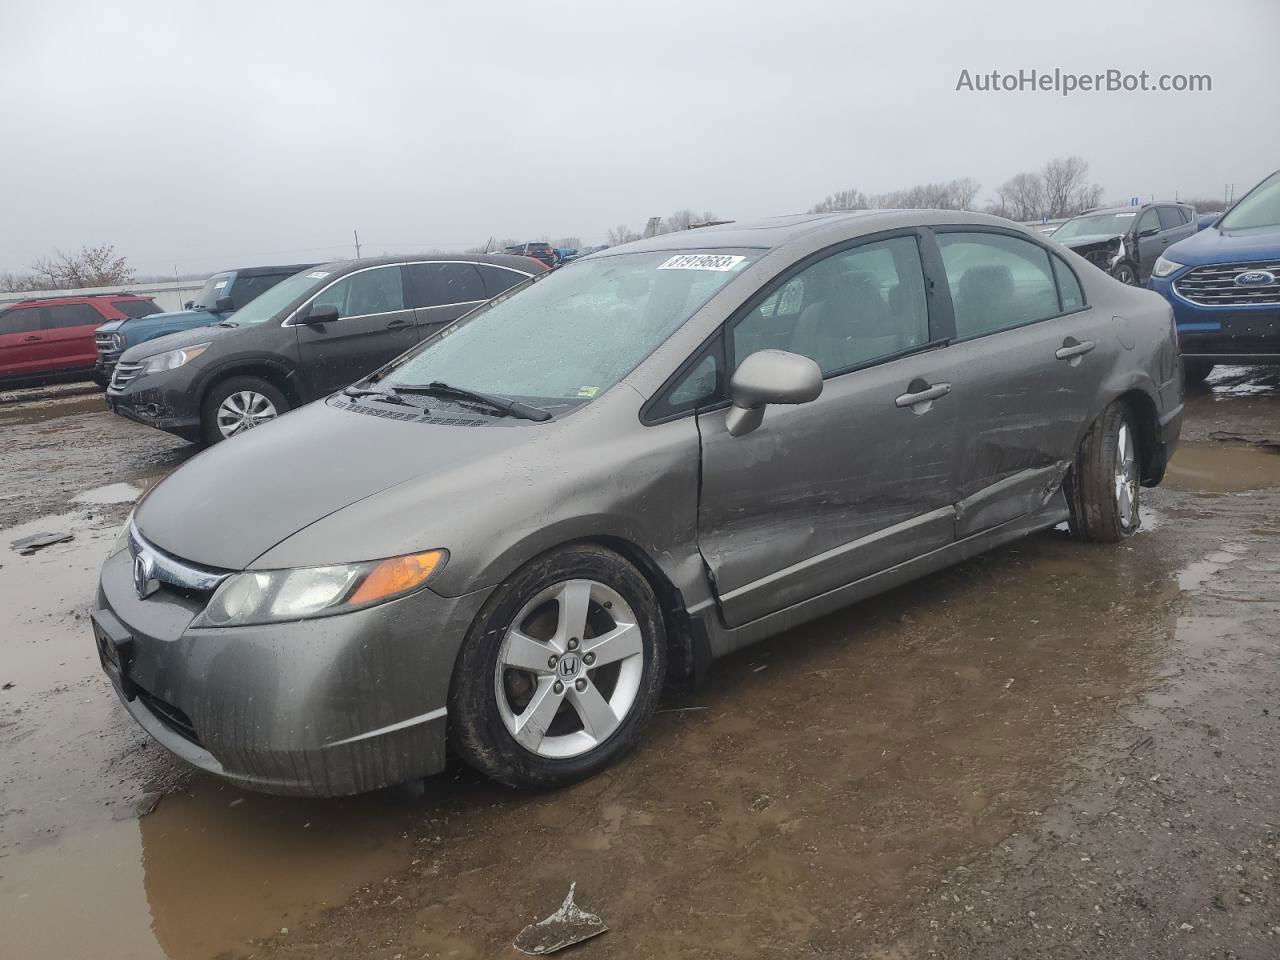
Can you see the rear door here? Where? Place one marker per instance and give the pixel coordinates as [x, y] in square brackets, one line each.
[21, 338]
[374, 326]
[442, 291]
[825, 493]
[68, 337]
[1034, 355]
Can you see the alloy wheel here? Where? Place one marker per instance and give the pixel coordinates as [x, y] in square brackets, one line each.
[1126, 479]
[569, 669]
[244, 410]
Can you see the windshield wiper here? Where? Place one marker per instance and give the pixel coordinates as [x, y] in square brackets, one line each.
[226, 323]
[438, 388]
[384, 396]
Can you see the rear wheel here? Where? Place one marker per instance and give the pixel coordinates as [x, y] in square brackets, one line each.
[239, 404]
[1194, 371]
[1104, 483]
[561, 670]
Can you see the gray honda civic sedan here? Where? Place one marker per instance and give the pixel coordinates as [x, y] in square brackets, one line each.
[508, 539]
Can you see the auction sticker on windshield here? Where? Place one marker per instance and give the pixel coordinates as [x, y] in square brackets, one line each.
[702, 261]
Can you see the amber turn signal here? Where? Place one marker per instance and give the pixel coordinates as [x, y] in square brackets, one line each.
[395, 576]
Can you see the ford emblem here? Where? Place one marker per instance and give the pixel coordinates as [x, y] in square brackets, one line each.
[1255, 278]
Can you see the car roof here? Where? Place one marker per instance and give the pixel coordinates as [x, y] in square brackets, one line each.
[1131, 209]
[512, 261]
[773, 232]
[75, 298]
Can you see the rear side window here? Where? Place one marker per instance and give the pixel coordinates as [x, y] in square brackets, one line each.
[20, 320]
[997, 281]
[64, 315]
[1068, 286]
[439, 284]
[1170, 218]
[136, 308]
[497, 280]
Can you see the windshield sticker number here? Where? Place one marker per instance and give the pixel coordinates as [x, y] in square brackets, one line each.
[719, 262]
[1125, 216]
[220, 284]
[588, 391]
[318, 275]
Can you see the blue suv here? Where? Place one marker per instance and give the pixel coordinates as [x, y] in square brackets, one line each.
[222, 294]
[1224, 285]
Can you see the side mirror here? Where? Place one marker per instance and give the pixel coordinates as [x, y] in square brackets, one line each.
[224, 305]
[326, 313]
[1149, 232]
[769, 376]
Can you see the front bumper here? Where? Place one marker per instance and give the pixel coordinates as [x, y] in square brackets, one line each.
[323, 707]
[149, 406]
[1222, 334]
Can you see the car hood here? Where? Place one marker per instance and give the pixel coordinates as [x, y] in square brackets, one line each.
[1214, 245]
[191, 317]
[1091, 241]
[235, 501]
[172, 341]
[111, 326]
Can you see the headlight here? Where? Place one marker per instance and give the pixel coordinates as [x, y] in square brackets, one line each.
[1164, 266]
[269, 596]
[122, 538]
[172, 359]
[117, 341]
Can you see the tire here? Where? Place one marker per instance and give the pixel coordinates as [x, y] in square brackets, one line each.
[101, 380]
[510, 722]
[215, 422]
[1195, 372]
[1125, 273]
[1103, 484]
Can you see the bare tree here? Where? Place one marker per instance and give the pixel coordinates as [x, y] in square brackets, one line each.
[1065, 191]
[90, 267]
[851, 199]
[1022, 197]
[621, 234]
[568, 243]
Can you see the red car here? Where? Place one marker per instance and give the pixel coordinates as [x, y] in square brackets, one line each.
[46, 338]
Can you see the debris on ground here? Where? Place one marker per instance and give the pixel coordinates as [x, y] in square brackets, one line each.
[38, 541]
[567, 926]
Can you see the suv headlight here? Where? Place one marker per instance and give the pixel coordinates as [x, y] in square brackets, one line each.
[271, 596]
[117, 341]
[172, 359]
[1164, 266]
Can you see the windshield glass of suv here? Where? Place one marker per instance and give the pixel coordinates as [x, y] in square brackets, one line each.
[576, 332]
[1104, 224]
[263, 308]
[1259, 208]
[213, 288]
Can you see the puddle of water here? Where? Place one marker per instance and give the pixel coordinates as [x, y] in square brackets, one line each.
[111, 493]
[1195, 574]
[1223, 468]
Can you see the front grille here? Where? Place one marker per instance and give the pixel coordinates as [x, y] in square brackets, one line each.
[1216, 285]
[106, 346]
[169, 715]
[124, 372]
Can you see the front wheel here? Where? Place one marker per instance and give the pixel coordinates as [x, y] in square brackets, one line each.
[1103, 484]
[1125, 274]
[561, 670]
[239, 404]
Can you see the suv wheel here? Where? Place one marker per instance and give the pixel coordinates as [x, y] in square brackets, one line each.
[1125, 274]
[560, 671]
[1103, 485]
[239, 404]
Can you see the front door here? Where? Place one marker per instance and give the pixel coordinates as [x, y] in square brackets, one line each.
[1034, 354]
[374, 326]
[1151, 242]
[828, 492]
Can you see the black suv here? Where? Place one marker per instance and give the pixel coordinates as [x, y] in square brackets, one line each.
[304, 338]
[1126, 242]
[223, 293]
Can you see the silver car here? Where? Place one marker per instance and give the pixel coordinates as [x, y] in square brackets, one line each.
[510, 538]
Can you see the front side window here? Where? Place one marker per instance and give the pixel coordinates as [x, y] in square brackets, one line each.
[846, 310]
[996, 281]
[66, 315]
[576, 332]
[1260, 207]
[368, 291]
[1149, 223]
[20, 320]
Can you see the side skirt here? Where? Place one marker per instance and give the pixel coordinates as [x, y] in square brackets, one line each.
[724, 639]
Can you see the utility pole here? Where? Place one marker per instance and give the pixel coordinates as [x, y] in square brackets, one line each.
[356, 234]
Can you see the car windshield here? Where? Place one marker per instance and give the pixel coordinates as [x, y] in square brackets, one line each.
[1096, 225]
[576, 332]
[1260, 207]
[215, 287]
[263, 308]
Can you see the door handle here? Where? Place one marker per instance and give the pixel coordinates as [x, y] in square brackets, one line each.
[935, 392]
[398, 324]
[30, 339]
[1070, 350]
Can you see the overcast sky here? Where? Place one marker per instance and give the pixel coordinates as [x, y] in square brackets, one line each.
[211, 135]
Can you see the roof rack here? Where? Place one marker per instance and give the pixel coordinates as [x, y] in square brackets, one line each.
[52, 295]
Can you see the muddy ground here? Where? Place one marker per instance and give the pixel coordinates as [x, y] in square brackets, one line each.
[1055, 750]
